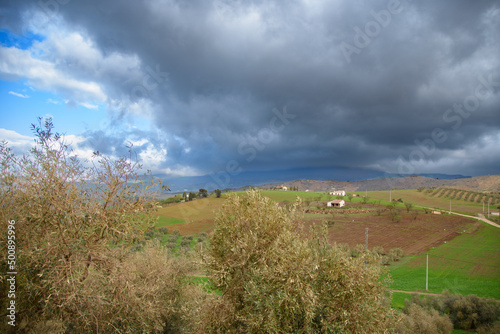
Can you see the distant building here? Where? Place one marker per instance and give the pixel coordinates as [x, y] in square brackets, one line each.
[436, 212]
[338, 193]
[336, 203]
[495, 214]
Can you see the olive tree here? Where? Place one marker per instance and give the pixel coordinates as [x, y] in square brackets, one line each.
[74, 223]
[274, 281]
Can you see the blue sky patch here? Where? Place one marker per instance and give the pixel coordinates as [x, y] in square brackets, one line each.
[10, 39]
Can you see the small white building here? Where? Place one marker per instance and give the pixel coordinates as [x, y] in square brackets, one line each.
[336, 203]
[338, 193]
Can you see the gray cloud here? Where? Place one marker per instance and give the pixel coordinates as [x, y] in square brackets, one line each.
[214, 71]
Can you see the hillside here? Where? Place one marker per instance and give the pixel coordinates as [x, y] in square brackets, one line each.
[486, 183]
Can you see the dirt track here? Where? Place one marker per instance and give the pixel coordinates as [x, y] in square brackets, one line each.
[436, 294]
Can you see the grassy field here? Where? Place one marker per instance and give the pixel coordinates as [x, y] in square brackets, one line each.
[468, 264]
[192, 211]
[166, 221]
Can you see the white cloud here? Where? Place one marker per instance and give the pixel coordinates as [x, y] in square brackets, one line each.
[19, 95]
[153, 157]
[53, 101]
[44, 75]
[181, 171]
[18, 142]
[137, 143]
[89, 106]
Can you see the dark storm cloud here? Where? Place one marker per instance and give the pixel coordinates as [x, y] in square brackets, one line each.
[363, 82]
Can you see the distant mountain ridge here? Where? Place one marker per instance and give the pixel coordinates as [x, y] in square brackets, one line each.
[486, 183]
[231, 180]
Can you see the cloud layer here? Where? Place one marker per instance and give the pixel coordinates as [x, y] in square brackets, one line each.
[402, 86]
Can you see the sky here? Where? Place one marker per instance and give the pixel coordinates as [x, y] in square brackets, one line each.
[210, 86]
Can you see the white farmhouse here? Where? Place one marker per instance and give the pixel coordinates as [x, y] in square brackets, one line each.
[338, 193]
[338, 203]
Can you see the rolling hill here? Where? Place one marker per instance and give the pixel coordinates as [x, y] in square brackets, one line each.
[486, 183]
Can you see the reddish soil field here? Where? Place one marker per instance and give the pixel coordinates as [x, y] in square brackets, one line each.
[413, 236]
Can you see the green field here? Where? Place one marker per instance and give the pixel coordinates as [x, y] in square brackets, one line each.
[469, 264]
[165, 221]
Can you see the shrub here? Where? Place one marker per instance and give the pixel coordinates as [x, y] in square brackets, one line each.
[145, 292]
[357, 251]
[171, 245]
[149, 234]
[470, 312]
[67, 216]
[408, 206]
[489, 329]
[172, 238]
[163, 230]
[202, 236]
[465, 312]
[343, 246]
[379, 250]
[185, 242]
[274, 282]
[395, 254]
[420, 320]
[396, 217]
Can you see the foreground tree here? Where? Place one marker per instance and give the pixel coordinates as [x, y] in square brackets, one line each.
[73, 228]
[272, 281]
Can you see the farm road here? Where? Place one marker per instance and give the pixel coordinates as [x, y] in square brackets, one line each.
[481, 216]
[437, 294]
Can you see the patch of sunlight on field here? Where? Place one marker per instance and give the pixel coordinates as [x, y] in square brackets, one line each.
[166, 221]
[193, 211]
